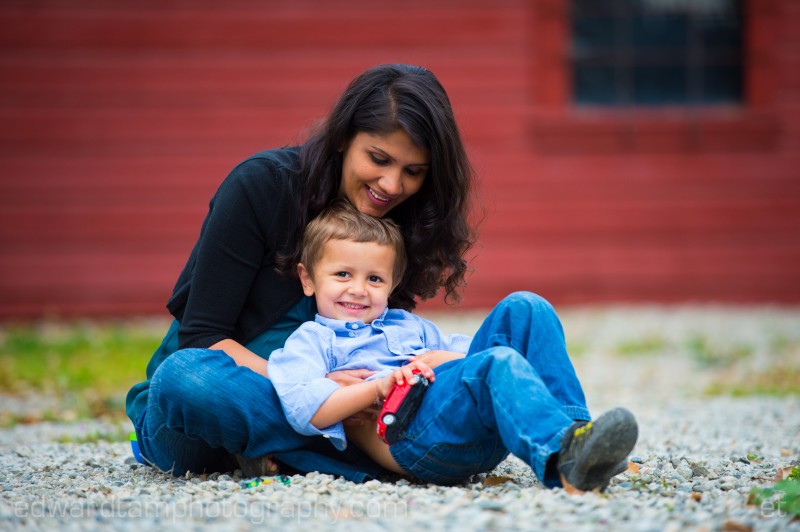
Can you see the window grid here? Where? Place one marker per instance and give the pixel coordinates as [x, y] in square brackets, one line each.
[617, 62]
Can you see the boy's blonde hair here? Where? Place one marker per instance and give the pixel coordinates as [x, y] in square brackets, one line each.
[342, 221]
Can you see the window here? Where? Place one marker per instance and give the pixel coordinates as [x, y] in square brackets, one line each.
[655, 75]
[656, 52]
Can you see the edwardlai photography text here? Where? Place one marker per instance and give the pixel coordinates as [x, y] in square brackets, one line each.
[253, 511]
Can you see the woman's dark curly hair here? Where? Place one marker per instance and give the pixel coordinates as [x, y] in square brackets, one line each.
[434, 223]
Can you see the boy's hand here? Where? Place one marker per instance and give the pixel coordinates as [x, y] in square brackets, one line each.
[406, 372]
[400, 375]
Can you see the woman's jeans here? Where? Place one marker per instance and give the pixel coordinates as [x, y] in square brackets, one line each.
[515, 391]
[198, 408]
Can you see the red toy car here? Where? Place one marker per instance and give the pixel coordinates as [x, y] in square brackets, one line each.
[399, 408]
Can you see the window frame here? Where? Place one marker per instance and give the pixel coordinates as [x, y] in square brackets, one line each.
[560, 125]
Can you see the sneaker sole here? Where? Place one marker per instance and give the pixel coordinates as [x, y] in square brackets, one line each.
[613, 437]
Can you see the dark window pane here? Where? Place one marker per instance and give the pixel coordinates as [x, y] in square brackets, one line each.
[595, 84]
[589, 7]
[661, 32]
[722, 84]
[722, 28]
[657, 52]
[659, 85]
[592, 36]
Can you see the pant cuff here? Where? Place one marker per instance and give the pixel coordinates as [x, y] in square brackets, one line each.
[578, 413]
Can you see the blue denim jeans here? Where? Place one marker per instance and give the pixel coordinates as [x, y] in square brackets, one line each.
[198, 408]
[515, 391]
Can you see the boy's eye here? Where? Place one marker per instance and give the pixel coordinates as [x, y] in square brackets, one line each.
[341, 274]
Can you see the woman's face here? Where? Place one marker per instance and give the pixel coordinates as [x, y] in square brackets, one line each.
[381, 171]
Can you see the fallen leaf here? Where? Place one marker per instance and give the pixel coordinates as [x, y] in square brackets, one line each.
[496, 481]
[696, 495]
[735, 526]
[633, 468]
[783, 473]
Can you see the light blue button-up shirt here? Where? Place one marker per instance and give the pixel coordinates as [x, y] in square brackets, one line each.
[319, 347]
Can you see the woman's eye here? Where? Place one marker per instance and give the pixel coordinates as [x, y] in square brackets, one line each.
[414, 172]
[378, 160]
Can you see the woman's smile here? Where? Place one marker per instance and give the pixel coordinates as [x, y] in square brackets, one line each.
[380, 171]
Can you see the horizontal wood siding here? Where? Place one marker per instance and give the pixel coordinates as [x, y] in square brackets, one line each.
[119, 122]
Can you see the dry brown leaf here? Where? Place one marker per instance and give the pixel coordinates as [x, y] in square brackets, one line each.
[496, 481]
[735, 526]
[697, 496]
[633, 468]
[752, 499]
[783, 472]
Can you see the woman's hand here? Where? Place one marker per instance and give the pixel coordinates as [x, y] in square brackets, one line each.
[346, 377]
[437, 357]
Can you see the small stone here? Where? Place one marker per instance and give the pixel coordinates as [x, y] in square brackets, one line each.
[494, 506]
[698, 469]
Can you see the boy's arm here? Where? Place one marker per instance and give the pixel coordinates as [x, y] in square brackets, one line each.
[345, 402]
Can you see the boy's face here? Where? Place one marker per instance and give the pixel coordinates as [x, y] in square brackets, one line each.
[351, 281]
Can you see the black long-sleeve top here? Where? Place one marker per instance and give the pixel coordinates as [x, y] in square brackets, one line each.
[229, 287]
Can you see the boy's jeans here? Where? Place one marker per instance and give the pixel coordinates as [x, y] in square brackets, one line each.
[515, 391]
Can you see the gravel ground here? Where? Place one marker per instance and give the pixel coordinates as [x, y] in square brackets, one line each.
[697, 456]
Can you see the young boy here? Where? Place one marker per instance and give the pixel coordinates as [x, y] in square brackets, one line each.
[511, 388]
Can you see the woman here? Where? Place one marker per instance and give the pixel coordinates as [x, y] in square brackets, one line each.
[391, 146]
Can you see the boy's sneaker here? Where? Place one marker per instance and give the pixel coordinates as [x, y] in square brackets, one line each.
[593, 452]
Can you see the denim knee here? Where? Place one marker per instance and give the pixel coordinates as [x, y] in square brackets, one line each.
[536, 303]
[179, 378]
[500, 356]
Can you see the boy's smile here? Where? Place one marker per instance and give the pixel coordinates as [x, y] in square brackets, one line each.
[351, 281]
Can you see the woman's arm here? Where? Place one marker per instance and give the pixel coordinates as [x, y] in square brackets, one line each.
[245, 357]
[246, 222]
[437, 357]
[242, 356]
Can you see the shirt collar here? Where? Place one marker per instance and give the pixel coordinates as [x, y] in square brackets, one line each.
[341, 325]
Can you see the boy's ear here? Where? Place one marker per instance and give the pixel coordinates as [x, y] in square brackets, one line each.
[305, 280]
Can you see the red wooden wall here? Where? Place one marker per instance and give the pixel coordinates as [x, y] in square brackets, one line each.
[119, 119]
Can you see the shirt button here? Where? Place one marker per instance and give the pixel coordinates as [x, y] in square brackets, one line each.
[352, 334]
[354, 325]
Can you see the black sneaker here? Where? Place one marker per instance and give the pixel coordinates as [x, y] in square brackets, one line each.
[593, 452]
